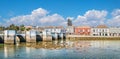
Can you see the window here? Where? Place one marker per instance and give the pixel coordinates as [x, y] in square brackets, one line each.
[103, 30]
[94, 35]
[93, 30]
[106, 34]
[83, 30]
[100, 34]
[80, 30]
[88, 30]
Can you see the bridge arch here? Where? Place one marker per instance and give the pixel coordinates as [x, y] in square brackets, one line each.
[20, 38]
[1, 39]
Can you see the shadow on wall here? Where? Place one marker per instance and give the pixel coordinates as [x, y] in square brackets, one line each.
[38, 38]
[53, 38]
[22, 39]
[1, 40]
[64, 36]
[59, 37]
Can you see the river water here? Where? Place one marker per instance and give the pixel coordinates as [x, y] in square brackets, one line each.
[63, 49]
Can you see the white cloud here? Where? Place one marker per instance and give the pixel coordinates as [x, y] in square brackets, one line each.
[54, 19]
[71, 18]
[115, 20]
[39, 12]
[37, 17]
[95, 14]
[80, 20]
[116, 12]
[91, 17]
[41, 17]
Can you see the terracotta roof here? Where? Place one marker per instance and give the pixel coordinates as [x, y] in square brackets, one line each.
[51, 27]
[83, 27]
[102, 26]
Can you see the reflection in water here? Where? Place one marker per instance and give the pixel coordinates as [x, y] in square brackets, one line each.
[63, 49]
[5, 52]
[9, 51]
[106, 44]
[48, 45]
[27, 50]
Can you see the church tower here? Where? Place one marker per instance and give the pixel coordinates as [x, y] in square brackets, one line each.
[69, 22]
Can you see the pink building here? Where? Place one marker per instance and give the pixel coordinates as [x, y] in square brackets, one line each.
[82, 30]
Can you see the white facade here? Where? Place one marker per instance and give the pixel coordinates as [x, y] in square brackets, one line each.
[55, 30]
[114, 31]
[70, 30]
[99, 31]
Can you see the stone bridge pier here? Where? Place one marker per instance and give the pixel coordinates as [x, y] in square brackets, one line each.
[1, 36]
[46, 36]
[31, 36]
[54, 36]
[60, 35]
[10, 36]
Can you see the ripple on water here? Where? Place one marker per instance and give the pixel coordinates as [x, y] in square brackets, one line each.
[77, 49]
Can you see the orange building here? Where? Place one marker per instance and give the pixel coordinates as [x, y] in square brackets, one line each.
[82, 30]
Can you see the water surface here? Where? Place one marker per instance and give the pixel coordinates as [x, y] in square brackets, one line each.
[63, 49]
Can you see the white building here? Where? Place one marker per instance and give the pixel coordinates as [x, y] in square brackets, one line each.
[114, 31]
[70, 30]
[55, 29]
[100, 31]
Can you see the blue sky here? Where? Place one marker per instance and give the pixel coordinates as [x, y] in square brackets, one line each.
[65, 8]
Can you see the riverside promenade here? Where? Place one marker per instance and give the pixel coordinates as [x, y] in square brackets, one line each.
[84, 37]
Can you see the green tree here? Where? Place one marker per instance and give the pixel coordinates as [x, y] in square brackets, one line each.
[16, 27]
[2, 28]
[13, 27]
[28, 29]
[22, 27]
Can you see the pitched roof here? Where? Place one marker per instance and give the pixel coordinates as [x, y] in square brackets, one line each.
[102, 26]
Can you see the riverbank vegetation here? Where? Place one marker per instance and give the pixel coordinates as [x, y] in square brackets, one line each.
[14, 27]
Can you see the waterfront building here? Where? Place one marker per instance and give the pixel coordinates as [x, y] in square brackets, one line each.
[100, 30]
[70, 30]
[70, 27]
[55, 29]
[38, 28]
[57, 32]
[114, 31]
[82, 30]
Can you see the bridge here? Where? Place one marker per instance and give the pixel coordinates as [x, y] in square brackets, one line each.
[1, 36]
[12, 36]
